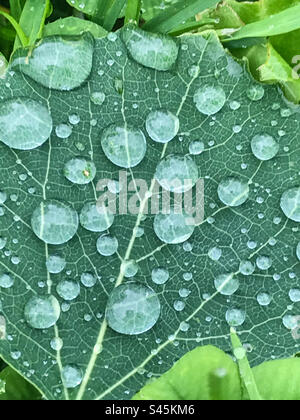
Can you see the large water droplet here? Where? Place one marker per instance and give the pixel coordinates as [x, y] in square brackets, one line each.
[63, 131]
[6, 280]
[24, 123]
[209, 99]
[173, 228]
[57, 62]
[55, 264]
[54, 222]
[264, 262]
[94, 219]
[162, 126]
[177, 173]
[130, 268]
[264, 147]
[80, 171]
[235, 317]
[294, 295]
[233, 192]
[68, 289]
[71, 376]
[247, 268]
[264, 299]
[290, 204]
[196, 147]
[107, 245]
[42, 312]
[227, 284]
[215, 254]
[88, 279]
[152, 50]
[125, 146]
[291, 322]
[160, 275]
[56, 343]
[132, 309]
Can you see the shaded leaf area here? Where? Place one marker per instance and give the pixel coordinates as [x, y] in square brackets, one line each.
[16, 388]
[113, 365]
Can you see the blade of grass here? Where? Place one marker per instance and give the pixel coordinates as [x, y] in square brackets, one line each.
[244, 367]
[16, 7]
[23, 38]
[133, 11]
[177, 14]
[280, 23]
[190, 26]
[112, 14]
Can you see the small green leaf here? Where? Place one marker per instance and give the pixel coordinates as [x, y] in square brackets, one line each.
[205, 373]
[181, 11]
[16, 7]
[244, 367]
[73, 26]
[133, 10]
[15, 387]
[23, 38]
[112, 13]
[89, 7]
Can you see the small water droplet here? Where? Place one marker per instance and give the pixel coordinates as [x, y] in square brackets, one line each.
[209, 99]
[162, 126]
[42, 312]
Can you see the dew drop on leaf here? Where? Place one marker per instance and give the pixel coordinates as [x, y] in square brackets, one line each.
[129, 268]
[177, 173]
[80, 171]
[235, 317]
[97, 98]
[233, 192]
[3, 197]
[54, 222]
[294, 295]
[71, 376]
[94, 219]
[3, 242]
[6, 280]
[88, 279]
[107, 245]
[264, 299]
[125, 146]
[290, 321]
[264, 262]
[25, 124]
[57, 62]
[156, 51]
[132, 308]
[55, 264]
[173, 228]
[290, 204]
[215, 254]
[227, 284]
[162, 126]
[68, 289]
[63, 131]
[160, 275]
[196, 147]
[297, 250]
[247, 268]
[210, 99]
[56, 343]
[264, 147]
[255, 92]
[42, 312]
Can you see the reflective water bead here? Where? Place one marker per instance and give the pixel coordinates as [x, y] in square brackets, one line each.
[255, 92]
[132, 308]
[247, 268]
[55, 264]
[263, 262]
[56, 344]
[233, 192]
[173, 228]
[235, 317]
[227, 284]
[25, 124]
[297, 250]
[125, 146]
[6, 281]
[264, 147]
[63, 131]
[88, 279]
[54, 222]
[107, 245]
[42, 312]
[294, 295]
[98, 98]
[264, 299]
[71, 376]
[196, 147]
[162, 126]
[215, 254]
[95, 219]
[68, 289]
[290, 204]
[209, 99]
[3, 197]
[160, 275]
[80, 170]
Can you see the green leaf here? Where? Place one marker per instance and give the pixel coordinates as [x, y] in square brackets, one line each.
[151, 8]
[206, 373]
[197, 305]
[3, 65]
[133, 10]
[112, 13]
[177, 13]
[73, 26]
[16, 7]
[246, 374]
[23, 38]
[15, 388]
[279, 380]
[90, 7]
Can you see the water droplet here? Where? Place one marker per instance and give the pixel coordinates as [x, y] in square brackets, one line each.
[210, 99]
[255, 92]
[294, 295]
[215, 254]
[173, 228]
[54, 222]
[179, 305]
[160, 275]
[297, 250]
[235, 317]
[94, 219]
[125, 146]
[6, 281]
[129, 268]
[3, 197]
[71, 376]
[291, 322]
[68, 289]
[88, 279]
[194, 71]
[162, 126]
[55, 264]
[63, 131]
[227, 284]
[264, 147]
[80, 171]
[196, 147]
[152, 50]
[42, 312]
[107, 245]
[264, 299]
[233, 192]
[290, 204]
[247, 268]
[74, 119]
[3, 242]
[24, 123]
[57, 62]
[177, 173]
[98, 98]
[132, 308]
[263, 262]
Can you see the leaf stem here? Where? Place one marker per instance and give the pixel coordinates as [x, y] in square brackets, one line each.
[133, 10]
[23, 38]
